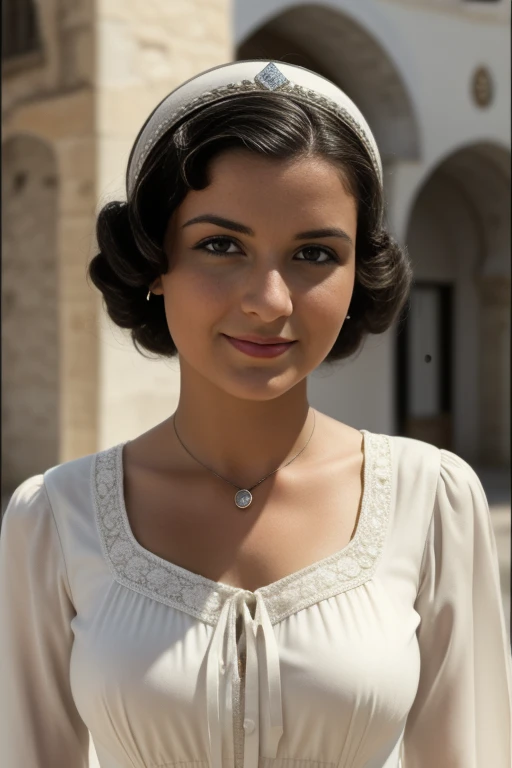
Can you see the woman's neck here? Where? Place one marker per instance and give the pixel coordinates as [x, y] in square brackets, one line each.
[241, 440]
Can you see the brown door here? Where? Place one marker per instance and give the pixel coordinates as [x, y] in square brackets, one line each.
[424, 370]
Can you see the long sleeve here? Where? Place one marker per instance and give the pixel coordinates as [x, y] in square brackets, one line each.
[39, 723]
[461, 716]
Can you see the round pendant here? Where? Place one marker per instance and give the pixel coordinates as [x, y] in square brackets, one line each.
[243, 498]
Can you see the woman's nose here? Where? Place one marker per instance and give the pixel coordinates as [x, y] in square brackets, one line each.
[266, 294]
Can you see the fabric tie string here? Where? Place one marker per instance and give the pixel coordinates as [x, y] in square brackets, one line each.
[216, 665]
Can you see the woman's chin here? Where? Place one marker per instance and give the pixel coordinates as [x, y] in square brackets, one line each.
[253, 379]
[257, 383]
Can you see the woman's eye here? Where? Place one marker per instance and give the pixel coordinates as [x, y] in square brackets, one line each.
[226, 246]
[222, 245]
[312, 252]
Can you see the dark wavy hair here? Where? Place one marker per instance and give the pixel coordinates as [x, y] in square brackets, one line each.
[130, 234]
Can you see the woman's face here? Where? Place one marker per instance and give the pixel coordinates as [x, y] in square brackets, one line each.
[267, 249]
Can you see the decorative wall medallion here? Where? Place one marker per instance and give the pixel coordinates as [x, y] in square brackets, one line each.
[482, 87]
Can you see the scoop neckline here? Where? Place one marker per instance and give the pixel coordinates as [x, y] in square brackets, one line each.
[143, 571]
[212, 582]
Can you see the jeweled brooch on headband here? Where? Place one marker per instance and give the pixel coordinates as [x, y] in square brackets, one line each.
[271, 78]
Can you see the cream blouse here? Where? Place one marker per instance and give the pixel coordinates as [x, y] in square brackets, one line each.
[390, 652]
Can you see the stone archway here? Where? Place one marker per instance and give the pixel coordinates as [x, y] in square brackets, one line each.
[459, 240]
[30, 375]
[336, 46]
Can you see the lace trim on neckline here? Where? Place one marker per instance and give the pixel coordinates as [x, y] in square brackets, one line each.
[144, 572]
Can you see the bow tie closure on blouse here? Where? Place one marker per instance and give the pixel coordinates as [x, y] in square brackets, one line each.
[217, 667]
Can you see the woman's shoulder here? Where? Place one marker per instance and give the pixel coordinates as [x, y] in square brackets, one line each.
[63, 485]
[434, 471]
[418, 453]
[413, 452]
[73, 472]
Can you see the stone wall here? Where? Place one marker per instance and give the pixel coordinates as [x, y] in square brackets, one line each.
[30, 354]
[54, 102]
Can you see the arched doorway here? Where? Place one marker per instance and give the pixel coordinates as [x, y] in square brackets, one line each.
[30, 382]
[453, 351]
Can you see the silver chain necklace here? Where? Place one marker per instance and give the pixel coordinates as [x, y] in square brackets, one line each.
[243, 496]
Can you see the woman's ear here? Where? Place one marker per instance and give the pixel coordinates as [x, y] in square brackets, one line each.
[156, 287]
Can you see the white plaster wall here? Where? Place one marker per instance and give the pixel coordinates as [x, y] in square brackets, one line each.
[480, 12]
[360, 390]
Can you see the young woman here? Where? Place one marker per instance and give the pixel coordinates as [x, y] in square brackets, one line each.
[252, 583]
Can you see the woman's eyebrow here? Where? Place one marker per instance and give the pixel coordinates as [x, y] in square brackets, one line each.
[235, 226]
[219, 221]
[312, 234]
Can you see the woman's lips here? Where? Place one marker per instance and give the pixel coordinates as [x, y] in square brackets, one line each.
[259, 350]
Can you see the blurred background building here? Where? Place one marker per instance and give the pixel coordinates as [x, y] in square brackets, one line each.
[433, 79]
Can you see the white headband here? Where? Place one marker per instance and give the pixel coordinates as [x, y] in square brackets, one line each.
[243, 77]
